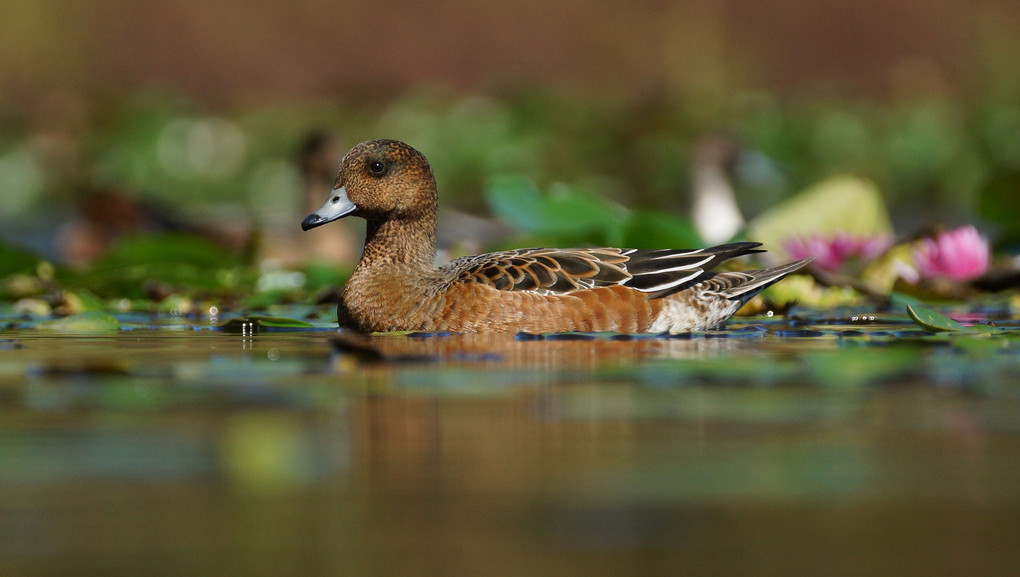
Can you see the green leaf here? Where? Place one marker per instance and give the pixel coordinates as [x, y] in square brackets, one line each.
[932, 321]
[282, 322]
[252, 324]
[571, 210]
[843, 203]
[516, 200]
[645, 229]
[176, 259]
[167, 249]
[566, 213]
[318, 275]
[87, 322]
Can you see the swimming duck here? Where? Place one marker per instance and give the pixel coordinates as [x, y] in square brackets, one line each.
[397, 287]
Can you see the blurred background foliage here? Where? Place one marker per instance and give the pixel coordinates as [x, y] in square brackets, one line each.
[195, 119]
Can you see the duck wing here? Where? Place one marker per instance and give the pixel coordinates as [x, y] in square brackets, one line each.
[656, 272]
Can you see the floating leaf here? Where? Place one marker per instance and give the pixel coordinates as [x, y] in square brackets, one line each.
[252, 324]
[87, 322]
[932, 321]
[282, 322]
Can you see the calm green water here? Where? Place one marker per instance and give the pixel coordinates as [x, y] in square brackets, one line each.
[830, 447]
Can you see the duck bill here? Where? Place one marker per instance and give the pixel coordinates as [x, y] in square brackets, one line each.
[336, 206]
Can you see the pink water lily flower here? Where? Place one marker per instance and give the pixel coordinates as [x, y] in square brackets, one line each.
[960, 254]
[833, 252]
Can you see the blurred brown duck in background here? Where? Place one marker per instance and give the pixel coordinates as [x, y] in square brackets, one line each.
[104, 215]
[281, 246]
[396, 285]
[317, 162]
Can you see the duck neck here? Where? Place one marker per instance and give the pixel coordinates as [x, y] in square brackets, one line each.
[401, 241]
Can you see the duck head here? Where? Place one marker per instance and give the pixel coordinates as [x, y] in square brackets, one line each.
[379, 180]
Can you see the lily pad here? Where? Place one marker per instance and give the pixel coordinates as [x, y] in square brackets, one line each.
[83, 323]
[932, 321]
[251, 324]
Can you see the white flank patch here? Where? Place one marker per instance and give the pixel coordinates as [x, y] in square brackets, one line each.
[677, 317]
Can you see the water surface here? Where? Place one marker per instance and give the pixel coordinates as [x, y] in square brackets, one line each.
[821, 446]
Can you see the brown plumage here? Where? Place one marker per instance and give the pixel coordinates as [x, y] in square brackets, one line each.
[397, 287]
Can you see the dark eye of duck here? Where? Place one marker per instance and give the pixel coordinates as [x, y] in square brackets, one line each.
[376, 168]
